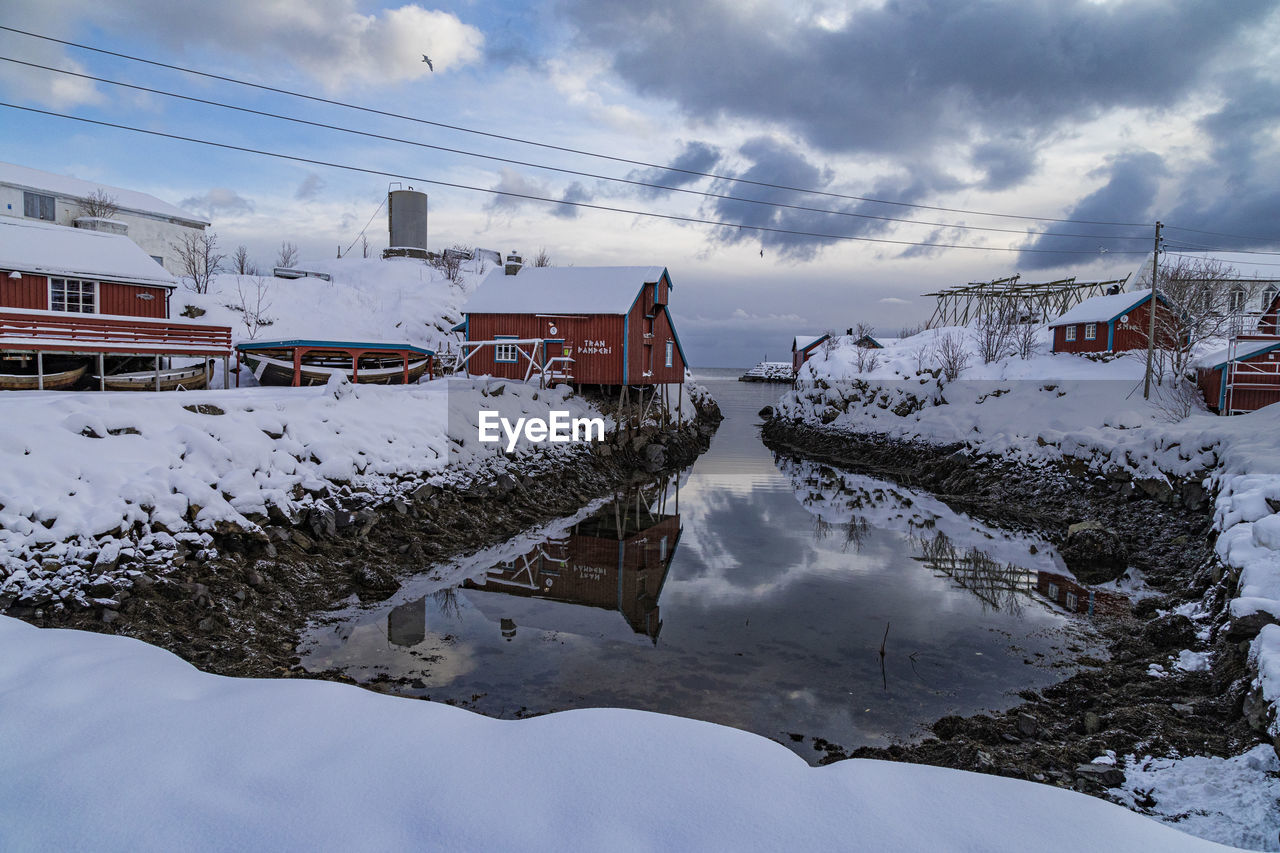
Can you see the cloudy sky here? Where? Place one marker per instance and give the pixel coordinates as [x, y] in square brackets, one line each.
[1098, 111]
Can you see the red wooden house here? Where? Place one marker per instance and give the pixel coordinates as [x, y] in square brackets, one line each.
[80, 295]
[1243, 377]
[803, 348]
[588, 325]
[1112, 323]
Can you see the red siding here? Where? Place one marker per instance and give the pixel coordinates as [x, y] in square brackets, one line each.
[1210, 382]
[1252, 388]
[1130, 335]
[30, 292]
[646, 350]
[1061, 344]
[123, 300]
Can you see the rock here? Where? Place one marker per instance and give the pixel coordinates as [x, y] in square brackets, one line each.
[1092, 723]
[1169, 632]
[375, 578]
[253, 579]
[1194, 497]
[343, 518]
[1183, 709]
[365, 519]
[423, 492]
[302, 540]
[766, 412]
[984, 760]
[1027, 725]
[204, 409]
[400, 505]
[323, 521]
[1158, 490]
[206, 624]
[109, 616]
[506, 483]
[1094, 554]
[1107, 775]
[1247, 627]
[655, 456]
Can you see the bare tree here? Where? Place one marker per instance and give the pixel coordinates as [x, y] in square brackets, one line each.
[364, 245]
[199, 258]
[911, 331]
[288, 255]
[1206, 301]
[952, 355]
[994, 333]
[252, 304]
[542, 259]
[866, 359]
[99, 204]
[923, 355]
[450, 261]
[1177, 397]
[240, 263]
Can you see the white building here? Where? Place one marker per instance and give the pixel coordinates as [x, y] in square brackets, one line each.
[153, 224]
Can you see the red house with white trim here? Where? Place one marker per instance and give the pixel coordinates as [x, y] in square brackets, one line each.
[586, 325]
[1112, 323]
[1242, 377]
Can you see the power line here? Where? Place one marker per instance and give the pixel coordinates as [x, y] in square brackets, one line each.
[381, 204]
[1186, 244]
[1180, 254]
[549, 146]
[629, 181]
[531, 197]
[1220, 234]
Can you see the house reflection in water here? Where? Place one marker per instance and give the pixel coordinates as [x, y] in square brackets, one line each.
[614, 561]
[407, 623]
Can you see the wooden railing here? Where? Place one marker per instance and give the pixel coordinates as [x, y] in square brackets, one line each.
[45, 331]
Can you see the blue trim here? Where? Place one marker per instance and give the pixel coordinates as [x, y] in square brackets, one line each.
[626, 336]
[1222, 388]
[672, 324]
[1142, 301]
[497, 360]
[1263, 351]
[461, 327]
[249, 346]
[1111, 335]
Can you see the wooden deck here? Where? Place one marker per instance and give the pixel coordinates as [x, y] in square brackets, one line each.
[93, 334]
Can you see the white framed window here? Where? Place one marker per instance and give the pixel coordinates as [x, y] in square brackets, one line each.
[37, 206]
[671, 354]
[1268, 297]
[1073, 601]
[73, 295]
[1237, 299]
[1071, 333]
[505, 353]
[1053, 590]
[1090, 331]
[662, 548]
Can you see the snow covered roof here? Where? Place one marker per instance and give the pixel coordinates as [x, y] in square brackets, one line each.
[803, 342]
[41, 247]
[68, 187]
[1217, 359]
[562, 290]
[1101, 309]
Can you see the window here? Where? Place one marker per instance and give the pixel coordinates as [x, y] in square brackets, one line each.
[1268, 297]
[1237, 299]
[1071, 333]
[671, 357]
[158, 259]
[1073, 602]
[505, 353]
[662, 548]
[1090, 331]
[1053, 590]
[38, 206]
[68, 294]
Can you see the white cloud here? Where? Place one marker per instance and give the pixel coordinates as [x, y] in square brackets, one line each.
[894, 300]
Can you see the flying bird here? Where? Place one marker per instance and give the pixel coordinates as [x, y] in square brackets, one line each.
[427, 60]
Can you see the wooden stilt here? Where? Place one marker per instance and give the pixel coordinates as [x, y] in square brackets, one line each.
[157, 373]
[297, 367]
[238, 368]
[355, 367]
[40, 371]
[226, 373]
[406, 368]
[102, 373]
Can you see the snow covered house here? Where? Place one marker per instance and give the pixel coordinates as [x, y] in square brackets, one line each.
[75, 295]
[1244, 376]
[587, 325]
[155, 225]
[803, 347]
[1111, 323]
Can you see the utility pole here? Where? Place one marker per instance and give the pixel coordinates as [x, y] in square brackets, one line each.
[1151, 311]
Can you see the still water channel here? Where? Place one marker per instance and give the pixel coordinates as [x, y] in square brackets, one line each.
[749, 590]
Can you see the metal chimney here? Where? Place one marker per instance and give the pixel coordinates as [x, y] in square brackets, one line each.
[514, 263]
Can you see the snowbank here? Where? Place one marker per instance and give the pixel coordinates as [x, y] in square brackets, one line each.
[151, 754]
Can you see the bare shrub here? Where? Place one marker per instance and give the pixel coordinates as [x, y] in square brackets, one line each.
[199, 258]
[1026, 341]
[911, 331]
[542, 259]
[364, 245]
[287, 256]
[99, 204]
[450, 261]
[866, 359]
[923, 357]
[994, 333]
[1177, 398]
[952, 355]
[252, 304]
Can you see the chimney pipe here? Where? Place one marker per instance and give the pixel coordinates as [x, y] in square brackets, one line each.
[514, 263]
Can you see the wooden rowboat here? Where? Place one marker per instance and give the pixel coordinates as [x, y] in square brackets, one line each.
[385, 371]
[57, 381]
[191, 378]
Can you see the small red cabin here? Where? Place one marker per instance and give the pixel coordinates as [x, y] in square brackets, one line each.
[589, 325]
[1113, 323]
[46, 267]
[803, 347]
[1243, 377]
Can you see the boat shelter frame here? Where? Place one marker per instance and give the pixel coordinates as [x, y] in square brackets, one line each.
[353, 349]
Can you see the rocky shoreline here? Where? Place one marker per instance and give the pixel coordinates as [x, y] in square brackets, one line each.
[1117, 705]
[235, 602]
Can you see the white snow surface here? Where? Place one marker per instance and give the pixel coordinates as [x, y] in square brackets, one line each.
[1100, 309]
[111, 744]
[562, 290]
[77, 188]
[48, 249]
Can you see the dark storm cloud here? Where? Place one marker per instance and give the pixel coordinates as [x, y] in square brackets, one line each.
[1005, 162]
[695, 157]
[1126, 197]
[775, 162]
[917, 72]
[575, 192]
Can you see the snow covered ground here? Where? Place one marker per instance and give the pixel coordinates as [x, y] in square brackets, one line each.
[1047, 408]
[111, 744]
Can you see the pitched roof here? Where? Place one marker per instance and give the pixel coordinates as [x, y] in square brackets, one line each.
[1217, 359]
[68, 187]
[1102, 309]
[48, 249]
[804, 342]
[561, 290]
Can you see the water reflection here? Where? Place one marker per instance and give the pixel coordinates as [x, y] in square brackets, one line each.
[753, 591]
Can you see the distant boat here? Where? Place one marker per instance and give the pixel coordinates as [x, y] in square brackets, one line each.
[190, 378]
[56, 381]
[374, 370]
[769, 371]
